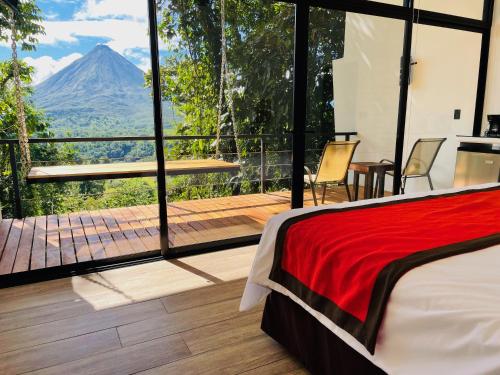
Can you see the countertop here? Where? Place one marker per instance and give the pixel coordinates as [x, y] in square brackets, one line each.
[483, 140]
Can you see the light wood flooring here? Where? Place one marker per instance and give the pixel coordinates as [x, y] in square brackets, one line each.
[165, 317]
[37, 243]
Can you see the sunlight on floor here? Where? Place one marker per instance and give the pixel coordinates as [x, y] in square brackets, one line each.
[159, 279]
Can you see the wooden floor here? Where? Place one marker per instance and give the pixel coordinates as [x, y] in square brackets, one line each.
[165, 317]
[36, 243]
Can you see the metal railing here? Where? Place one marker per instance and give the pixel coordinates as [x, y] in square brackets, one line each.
[13, 143]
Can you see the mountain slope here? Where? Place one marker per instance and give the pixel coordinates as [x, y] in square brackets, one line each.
[100, 83]
[101, 94]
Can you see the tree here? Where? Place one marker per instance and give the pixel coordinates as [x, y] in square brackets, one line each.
[36, 123]
[258, 44]
[24, 26]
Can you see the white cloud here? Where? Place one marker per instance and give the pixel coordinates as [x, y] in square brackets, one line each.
[46, 66]
[97, 9]
[121, 34]
[143, 57]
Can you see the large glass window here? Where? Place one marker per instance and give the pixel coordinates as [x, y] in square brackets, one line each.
[227, 70]
[353, 87]
[82, 79]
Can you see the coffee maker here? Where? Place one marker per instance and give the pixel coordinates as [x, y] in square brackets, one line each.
[494, 129]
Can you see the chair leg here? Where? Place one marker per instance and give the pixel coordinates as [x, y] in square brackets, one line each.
[347, 190]
[313, 190]
[430, 181]
[355, 185]
[324, 193]
[403, 185]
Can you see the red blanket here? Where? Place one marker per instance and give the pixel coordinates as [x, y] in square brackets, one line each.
[345, 262]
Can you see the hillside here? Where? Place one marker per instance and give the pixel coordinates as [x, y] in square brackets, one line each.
[100, 94]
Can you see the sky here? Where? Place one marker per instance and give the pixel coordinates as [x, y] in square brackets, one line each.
[74, 27]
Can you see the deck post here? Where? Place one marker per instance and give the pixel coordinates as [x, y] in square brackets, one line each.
[158, 123]
[262, 165]
[16, 196]
[301, 45]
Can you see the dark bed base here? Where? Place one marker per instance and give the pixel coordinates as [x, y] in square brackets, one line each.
[308, 340]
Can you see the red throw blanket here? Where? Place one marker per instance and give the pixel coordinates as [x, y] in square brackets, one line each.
[345, 262]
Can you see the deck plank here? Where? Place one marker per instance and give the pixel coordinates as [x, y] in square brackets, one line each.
[22, 262]
[128, 231]
[39, 243]
[4, 233]
[135, 222]
[110, 246]
[68, 253]
[118, 237]
[82, 250]
[10, 250]
[53, 245]
[95, 246]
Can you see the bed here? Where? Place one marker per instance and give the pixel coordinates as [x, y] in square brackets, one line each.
[411, 287]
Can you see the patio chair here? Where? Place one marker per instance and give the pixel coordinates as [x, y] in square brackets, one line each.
[332, 168]
[420, 162]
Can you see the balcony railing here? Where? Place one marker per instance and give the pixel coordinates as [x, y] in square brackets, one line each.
[264, 140]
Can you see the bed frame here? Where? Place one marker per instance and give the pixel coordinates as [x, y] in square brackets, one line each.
[319, 349]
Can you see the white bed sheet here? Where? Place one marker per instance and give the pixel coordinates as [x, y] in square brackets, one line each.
[441, 317]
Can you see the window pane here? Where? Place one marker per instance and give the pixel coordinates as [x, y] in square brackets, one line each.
[231, 92]
[444, 80]
[358, 56]
[85, 79]
[462, 8]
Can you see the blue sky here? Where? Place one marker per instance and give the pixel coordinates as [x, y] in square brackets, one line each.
[74, 27]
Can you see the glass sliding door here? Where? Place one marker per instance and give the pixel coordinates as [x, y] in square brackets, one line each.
[88, 197]
[226, 70]
[353, 86]
[441, 96]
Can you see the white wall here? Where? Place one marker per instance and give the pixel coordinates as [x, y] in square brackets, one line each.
[366, 87]
[444, 79]
[366, 84]
[492, 100]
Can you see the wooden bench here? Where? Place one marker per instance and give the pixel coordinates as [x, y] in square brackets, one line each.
[84, 172]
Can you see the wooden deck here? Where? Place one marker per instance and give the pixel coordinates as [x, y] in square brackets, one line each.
[36, 243]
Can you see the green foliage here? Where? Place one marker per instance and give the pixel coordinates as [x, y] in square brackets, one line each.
[260, 45]
[37, 125]
[28, 23]
[115, 193]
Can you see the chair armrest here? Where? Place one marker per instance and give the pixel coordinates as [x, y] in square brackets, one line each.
[386, 160]
[309, 173]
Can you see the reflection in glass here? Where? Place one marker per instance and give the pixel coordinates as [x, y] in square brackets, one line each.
[362, 60]
[227, 72]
